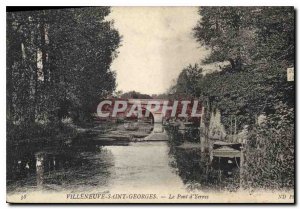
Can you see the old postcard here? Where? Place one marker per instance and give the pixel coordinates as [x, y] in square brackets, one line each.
[150, 105]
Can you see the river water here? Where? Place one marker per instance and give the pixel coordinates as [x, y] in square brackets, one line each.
[133, 166]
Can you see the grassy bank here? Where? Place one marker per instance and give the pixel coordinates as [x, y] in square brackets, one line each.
[32, 132]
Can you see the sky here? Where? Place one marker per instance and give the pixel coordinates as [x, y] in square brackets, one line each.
[157, 43]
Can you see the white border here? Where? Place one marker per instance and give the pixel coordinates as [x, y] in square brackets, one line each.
[108, 3]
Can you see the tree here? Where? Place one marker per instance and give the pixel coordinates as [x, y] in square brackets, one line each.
[259, 41]
[58, 64]
[187, 80]
[227, 32]
[259, 44]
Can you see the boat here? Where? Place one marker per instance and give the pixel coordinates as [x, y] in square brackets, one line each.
[226, 151]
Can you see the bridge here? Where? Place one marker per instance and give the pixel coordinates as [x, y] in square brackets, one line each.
[156, 113]
[157, 110]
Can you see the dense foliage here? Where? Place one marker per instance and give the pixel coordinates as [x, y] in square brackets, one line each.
[259, 45]
[58, 65]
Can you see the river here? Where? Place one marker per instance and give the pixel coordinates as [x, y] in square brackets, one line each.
[134, 166]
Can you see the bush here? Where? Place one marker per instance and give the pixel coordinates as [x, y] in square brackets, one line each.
[19, 132]
[269, 158]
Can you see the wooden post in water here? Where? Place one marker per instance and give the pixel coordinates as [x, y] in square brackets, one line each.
[39, 169]
[241, 166]
[231, 129]
[202, 143]
[235, 129]
[54, 163]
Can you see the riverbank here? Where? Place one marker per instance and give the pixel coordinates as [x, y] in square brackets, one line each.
[67, 133]
[62, 133]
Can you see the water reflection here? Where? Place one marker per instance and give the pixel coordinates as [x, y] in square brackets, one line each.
[198, 172]
[196, 166]
[86, 164]
[57, 167]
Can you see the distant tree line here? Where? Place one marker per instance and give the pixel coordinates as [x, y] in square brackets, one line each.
[135, 95]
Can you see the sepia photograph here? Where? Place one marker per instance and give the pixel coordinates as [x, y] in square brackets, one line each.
[120, 104]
